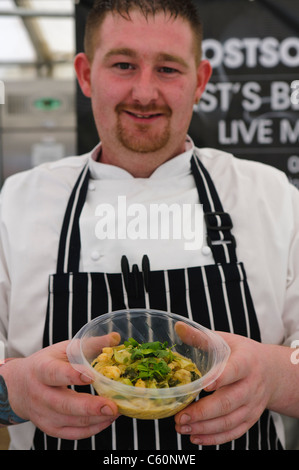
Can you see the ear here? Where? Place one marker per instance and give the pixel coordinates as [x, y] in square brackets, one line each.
[204, 72]
[82, 67]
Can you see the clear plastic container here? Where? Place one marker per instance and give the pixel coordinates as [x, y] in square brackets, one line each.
[204, 347]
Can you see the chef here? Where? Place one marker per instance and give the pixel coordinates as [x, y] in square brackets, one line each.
[57, 271]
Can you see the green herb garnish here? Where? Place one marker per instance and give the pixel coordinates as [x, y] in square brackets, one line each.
[153, 349]
[152, 368]
[151, 365]
[152, 359]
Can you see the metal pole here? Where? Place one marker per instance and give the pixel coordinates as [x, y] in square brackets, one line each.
[25, 13]
[35, 64]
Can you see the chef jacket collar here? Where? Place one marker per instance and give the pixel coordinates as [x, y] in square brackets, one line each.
[178, 165]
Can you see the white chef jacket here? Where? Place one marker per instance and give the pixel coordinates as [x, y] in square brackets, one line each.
[263, 205]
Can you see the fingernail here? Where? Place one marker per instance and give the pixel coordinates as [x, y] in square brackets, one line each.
[106, 411]
[185, 419]
[186, 429]
[86, 379]
[197, 441]
[210, 387]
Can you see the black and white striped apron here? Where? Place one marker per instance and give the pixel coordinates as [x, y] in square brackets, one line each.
[216, 296]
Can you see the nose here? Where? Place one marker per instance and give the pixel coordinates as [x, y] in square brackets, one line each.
[145, 89]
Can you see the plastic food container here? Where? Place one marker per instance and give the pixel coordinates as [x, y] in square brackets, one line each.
[204, 347]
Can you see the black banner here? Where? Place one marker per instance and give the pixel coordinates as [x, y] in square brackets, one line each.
[250, 106]
[87, 136]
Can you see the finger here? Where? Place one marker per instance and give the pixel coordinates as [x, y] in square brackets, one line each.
[221, 403]
[86, 421]
[77, 433]
[219, 438]
[89, 348]
[237, 367]
[54, 368]
[217, 425]
[71, 403]
[58, 420]
[57, 372]
[191, 336]
[93, 345]
[72, 427]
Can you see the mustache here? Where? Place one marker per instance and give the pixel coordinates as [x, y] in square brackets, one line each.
[140, 109]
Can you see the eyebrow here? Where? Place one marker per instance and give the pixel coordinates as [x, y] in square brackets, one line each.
[120, 51]
[164, 57]
[161, 57]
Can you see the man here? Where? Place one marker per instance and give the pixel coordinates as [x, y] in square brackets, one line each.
[143, 72]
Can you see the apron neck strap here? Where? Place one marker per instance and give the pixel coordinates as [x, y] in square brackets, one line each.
[218, 223]
[70, 243]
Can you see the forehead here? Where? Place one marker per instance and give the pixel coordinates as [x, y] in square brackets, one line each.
[155, 34]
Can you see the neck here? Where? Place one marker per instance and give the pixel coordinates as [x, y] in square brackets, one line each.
[139, 165]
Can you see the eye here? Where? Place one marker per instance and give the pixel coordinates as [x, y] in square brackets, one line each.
[168, 70]
[124, 66]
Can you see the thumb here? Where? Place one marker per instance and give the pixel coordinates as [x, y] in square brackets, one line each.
[53, 368]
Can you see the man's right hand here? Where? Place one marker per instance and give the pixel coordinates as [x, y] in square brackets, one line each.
[38, 391]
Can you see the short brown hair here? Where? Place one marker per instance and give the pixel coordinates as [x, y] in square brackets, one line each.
[175, 8]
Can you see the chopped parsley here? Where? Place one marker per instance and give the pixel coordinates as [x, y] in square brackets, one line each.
[151, 365]
[154, 349]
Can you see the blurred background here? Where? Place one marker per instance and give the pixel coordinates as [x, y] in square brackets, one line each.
[250, 106]
[38, 119]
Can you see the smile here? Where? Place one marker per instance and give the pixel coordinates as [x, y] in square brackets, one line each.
[143, 116]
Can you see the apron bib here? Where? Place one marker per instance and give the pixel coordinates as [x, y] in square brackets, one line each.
[216, 296]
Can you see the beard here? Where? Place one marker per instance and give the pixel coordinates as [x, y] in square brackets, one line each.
[143, 137]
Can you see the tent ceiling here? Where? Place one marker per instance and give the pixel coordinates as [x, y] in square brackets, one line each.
[36, 32]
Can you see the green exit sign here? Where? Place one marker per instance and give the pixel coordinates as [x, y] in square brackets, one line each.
[47, 104]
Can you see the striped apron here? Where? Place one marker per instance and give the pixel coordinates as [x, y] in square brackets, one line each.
[216, 296]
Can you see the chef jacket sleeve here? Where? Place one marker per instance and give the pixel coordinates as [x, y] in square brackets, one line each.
[4, 278]
[291, 305]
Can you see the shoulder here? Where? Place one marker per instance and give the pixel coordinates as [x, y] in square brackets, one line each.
[41, 192]
[46, 177]
[239, 171]
[248, 187]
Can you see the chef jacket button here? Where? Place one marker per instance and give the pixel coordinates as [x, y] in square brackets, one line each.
[91, 186]
[206, 250]
[95, 255]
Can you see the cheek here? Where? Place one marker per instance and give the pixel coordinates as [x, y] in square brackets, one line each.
[103, 106]
[183, 96]
[183, 103]
[111, 88]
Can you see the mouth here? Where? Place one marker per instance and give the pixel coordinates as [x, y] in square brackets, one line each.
[143, 116]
